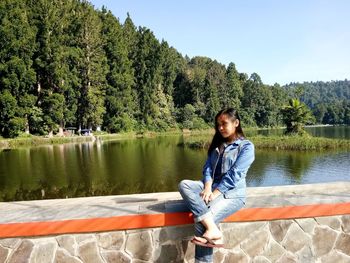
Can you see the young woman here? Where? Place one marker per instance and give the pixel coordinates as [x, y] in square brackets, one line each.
[222, 189]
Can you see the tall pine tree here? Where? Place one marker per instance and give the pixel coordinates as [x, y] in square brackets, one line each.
[120, 102]
[17, 76]
[92, 65]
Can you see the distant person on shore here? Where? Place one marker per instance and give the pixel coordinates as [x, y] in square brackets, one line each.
[222, 190]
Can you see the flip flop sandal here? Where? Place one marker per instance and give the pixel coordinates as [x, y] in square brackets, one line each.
[209, 243]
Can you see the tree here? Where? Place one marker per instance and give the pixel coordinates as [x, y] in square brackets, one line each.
[53, 106]
[234, 87]
[17, 76]
[130, 36]
[55, 59]
[206, 88]
[120, 101]
[154, 102]
[279, 98]
[172, 64]
[295, 116]
[252, 99]
[319, 112]
[197, 72]
[92, 64]
[187, 115]
[8, 109]
[182, 94]
[215, 84]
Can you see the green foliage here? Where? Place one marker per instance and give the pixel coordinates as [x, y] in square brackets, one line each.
[120, 100]
[329, 101]
[199, 124]
[53, 107]
[294, 143]
[15, 126]
[24, 140]
[188, 113]
[8, 109]
[234, 92]
[36, 120]
[295, 116]
[186, 116]
[93, 68]
[299, 143]
[261, 103]
[247, 118]
[124, 123]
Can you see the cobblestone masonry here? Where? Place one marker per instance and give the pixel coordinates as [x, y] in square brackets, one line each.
[319, 240]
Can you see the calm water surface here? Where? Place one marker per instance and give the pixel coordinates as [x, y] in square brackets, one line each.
[148, 165]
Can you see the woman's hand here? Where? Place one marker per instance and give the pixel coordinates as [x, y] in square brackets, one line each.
[206, 195]
[215, 194]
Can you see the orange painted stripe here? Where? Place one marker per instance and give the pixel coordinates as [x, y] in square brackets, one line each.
[289, 212]
[94, 224]
[165, 219]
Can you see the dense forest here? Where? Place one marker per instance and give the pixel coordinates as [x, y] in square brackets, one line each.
[65, 64]
[329, 101]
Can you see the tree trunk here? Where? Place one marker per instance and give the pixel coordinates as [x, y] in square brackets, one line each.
[60, 130]
[27, 125]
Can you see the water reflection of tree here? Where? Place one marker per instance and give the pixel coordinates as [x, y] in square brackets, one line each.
[124, 168]
[257, 171]
[297, 163]
[280, 167]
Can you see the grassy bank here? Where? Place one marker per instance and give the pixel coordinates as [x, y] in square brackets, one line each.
[37, 140]
[150, 134]
[29, 140]
[283, 143]
[191, 140]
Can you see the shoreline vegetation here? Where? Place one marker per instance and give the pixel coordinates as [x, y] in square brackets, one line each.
[191, 140]
[31, 140]
[284, 142]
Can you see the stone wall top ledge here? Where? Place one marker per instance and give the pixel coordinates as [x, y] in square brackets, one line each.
[109, 213]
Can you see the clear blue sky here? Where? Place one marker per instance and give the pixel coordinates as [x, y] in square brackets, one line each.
[282, 41]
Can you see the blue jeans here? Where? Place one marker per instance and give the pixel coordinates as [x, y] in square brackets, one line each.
[218, 209]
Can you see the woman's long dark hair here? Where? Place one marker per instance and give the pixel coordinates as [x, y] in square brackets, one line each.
[218, 139]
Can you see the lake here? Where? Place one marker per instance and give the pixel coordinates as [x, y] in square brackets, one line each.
[151, 165]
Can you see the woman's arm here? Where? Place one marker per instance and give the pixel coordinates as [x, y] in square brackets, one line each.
[207, 171]
[207, 194]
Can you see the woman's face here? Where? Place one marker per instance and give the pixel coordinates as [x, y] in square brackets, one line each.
[227, 127]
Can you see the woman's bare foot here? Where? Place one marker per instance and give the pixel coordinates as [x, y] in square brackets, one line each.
[213, 234]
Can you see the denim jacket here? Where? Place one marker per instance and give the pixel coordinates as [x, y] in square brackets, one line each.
[237, 158]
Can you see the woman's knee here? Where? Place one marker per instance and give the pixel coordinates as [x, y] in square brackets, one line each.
[190, 187]
[184, 184]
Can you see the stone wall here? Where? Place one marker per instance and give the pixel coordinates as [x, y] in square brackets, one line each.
[321, 239]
